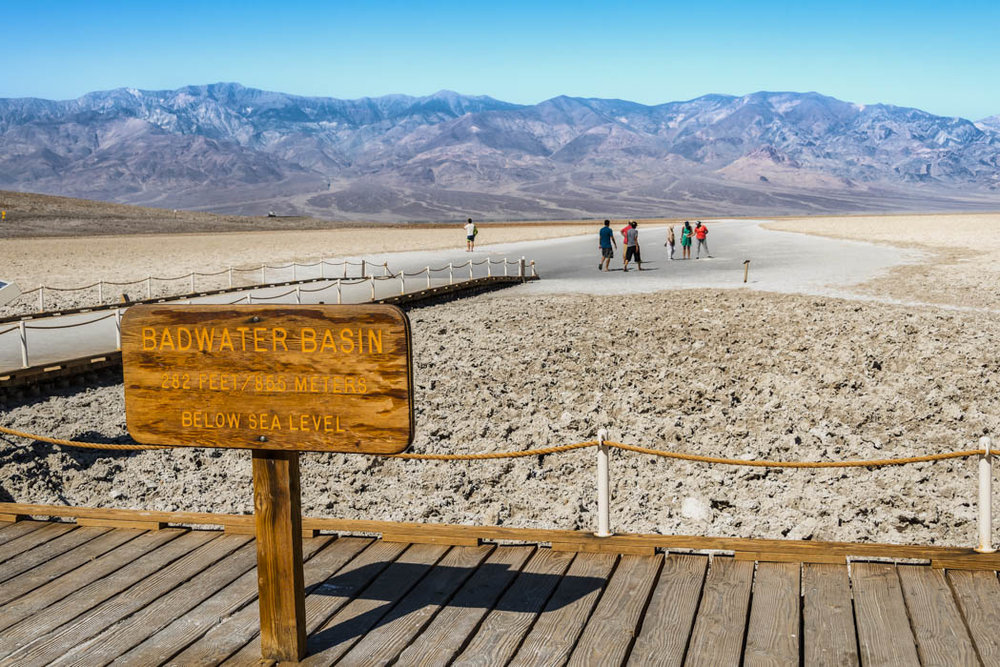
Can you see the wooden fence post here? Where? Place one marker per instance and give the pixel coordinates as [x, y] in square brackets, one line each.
[278, 517]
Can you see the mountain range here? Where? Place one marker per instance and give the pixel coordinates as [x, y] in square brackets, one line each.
[227, 148]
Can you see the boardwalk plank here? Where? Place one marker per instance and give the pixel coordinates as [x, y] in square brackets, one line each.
[234, 632]
[49, 551]
[978, 594]
[828, 633]
[773, 632]
[717, 637]
[500, 634]
[612, 628]
[882, 623]
[934, 616]
[34, 539]
[557, 628]
[65, 625]
[665, 630]
[12, 531]
[330, 595]
[186, 629]
[444, 637]
[90, 584]
[162, 610]
[408, 618]
[335, 637]
[66, 562]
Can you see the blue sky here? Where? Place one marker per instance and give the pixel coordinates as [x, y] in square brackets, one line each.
[944, 59]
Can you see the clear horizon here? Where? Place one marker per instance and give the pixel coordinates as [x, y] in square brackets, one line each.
[915, 54]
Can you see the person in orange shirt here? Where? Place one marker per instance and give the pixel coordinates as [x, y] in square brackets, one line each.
[700, 233]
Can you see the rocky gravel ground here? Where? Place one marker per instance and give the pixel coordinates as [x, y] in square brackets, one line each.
[726, 373]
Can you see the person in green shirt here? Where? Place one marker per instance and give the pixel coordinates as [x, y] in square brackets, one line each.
[686, 233]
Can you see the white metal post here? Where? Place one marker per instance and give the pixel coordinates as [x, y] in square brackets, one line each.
[505, 265]
[262, 274]
[338, 291]
[985, 497]
[295, 271]
[249, 299]
[345, 268]
[373, 287]
[471, 267]
[385, 268]
[363, 268]
[603, 483]
[41, 298]
[118, 328]
[533, 274]
[520, 268]
[451, 273]
[298, 295]
[24, 343]
[402, 282]
[428, 270]
[100, 292]
[149, 284]
[489, 267]
[322, 268]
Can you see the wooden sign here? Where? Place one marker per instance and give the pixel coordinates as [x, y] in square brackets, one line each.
[299, 378]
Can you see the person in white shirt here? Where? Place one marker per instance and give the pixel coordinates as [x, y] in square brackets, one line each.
[470, 235]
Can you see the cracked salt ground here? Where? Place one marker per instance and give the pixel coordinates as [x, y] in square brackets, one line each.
[733, 373]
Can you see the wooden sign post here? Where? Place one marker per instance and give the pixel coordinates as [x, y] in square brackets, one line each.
[278, 380]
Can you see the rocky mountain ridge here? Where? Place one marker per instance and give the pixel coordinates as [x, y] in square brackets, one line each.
[228, 148]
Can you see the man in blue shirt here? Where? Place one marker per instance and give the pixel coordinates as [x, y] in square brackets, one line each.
[607, 236]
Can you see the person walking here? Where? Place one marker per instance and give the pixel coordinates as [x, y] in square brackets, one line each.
[470, 235]
[686, 233]
[701, 233]
[632, 245]
[606, 239]
[670, 241]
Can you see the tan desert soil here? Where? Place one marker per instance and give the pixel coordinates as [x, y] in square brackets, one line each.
[738, 374]
[964, 272]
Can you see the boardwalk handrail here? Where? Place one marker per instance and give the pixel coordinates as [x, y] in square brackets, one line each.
[985, 523]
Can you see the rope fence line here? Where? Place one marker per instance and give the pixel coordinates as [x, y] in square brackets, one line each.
[559, 449]
[70, 326]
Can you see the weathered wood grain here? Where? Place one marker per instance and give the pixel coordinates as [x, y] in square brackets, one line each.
[383, 643]
[234, 632]
[33, 539]
[48, 551]
[81, 587]
[978, 595]
[717, 637]
[301, 378]
[670, 616]
[773, 633]
[326, 599]
[934, 616]
[159, 612]
[828, 633]
[608, 635]
[183, 631]
[884, 634]
[558, 627]
[278, 514]
[345, 628]
[12, 531]
[444, 637]
[66, 562]
[43, 638]
[501, 632]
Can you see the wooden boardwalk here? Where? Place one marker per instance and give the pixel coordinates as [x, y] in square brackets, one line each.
[91, 595]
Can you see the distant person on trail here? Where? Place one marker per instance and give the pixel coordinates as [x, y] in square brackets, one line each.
[607, 238]
[700, 233]
[686, 233]
[632, 245]
[624, 231]
[670, 241]
[470, 235]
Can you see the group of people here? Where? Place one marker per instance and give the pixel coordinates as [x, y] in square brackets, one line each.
[630, 242]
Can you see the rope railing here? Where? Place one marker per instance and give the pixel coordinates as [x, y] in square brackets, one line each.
[985, 523]
[71, 326]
